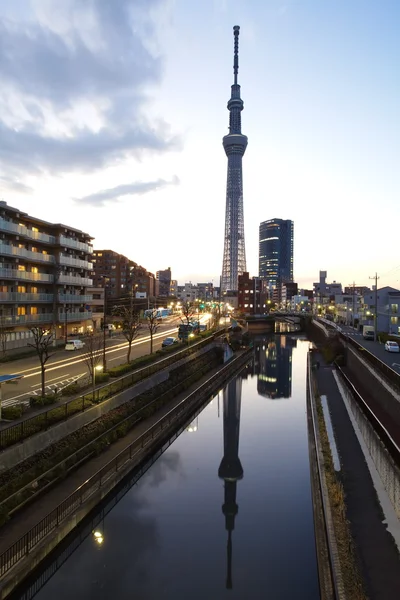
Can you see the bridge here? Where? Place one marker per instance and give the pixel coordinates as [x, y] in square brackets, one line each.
[266, 322]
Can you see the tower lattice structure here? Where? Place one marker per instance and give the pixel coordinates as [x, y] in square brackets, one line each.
[235, 143]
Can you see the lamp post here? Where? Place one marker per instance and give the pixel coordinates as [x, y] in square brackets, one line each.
[97, 368]
[104, 326]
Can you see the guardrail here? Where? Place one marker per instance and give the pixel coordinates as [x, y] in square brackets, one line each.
[41, 422]
[386, 438]
[27, 542]
[332, 569]
[387, 371]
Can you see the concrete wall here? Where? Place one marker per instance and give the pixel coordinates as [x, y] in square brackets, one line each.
[387, 469]
[15, 454]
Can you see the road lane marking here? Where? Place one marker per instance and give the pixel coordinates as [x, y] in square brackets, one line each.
[54, 379]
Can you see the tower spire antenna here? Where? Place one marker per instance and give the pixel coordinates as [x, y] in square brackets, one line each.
[236, 30]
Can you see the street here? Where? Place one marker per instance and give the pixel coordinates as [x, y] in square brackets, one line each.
[67, 366]
[392, 359]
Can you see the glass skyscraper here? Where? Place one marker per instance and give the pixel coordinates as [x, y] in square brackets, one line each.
[276, 252]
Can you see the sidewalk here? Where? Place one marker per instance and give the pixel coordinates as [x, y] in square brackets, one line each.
[32, 514]
[375, 549]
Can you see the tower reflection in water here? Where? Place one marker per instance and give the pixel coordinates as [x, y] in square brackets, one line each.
[273, 360]
[230, 469]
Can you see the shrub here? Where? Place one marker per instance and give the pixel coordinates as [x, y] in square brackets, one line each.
[35, 401]
[9, 413]
[71, 390]
[102, 377]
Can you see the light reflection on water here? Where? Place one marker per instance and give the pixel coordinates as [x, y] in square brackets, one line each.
[225, 512]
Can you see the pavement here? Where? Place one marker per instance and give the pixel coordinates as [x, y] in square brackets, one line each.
[37, 510]
[376, 551]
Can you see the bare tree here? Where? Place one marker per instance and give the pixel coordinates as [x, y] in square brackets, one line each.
[152, 324]
[130, 325]
[217, 314]
[188, 311]
[93, 356]
[42, 341]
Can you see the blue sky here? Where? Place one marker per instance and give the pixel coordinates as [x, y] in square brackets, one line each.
[112, 115]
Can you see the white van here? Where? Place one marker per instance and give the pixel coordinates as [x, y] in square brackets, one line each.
[74, 345]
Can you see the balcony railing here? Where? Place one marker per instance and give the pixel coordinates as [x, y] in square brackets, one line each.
[10, 250]
[74, 316]
[25, 297]
[81, 299]
[71, 243]
[27, 319]
[71, 280]
[25, 275]
[75, 262]
[24, 231]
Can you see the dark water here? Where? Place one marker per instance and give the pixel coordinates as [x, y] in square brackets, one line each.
[225, 512]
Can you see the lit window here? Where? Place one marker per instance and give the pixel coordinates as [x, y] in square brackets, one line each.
[21, 310]
[34, 310]
[34, 270]
[21, 267]
[21, 289]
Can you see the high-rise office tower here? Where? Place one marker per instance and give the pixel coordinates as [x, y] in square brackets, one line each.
[276, 252]
[234, 260]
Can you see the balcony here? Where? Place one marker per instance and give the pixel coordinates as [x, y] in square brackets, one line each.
[71, 280]
[26, 319]
[25, 275]
[71, 243]
[25, 297]
[75, 262]
[9, 250]
[74, 316]
[80, 299]
[24, 231]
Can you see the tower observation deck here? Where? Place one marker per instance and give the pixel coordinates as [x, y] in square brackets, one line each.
[235, 143]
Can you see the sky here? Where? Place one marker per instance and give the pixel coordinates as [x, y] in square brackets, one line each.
[112, 114]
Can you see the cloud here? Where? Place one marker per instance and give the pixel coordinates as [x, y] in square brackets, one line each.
[137, 188]
[8, 184]
[75, 85]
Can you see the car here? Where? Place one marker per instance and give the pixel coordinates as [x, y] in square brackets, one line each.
[169, 341]
[392, 347]
[74, 345]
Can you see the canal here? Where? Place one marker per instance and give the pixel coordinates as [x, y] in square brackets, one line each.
[225, 511]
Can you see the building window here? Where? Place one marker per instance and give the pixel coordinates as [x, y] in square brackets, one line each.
[34, 249]
[34, 289]
[35, 229]
[21, 289]
[34, 310]
[394, 320]
[394, 308]
[21, 310]
[34, 270]
[21, 268]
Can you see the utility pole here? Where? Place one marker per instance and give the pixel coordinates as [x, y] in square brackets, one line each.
[375, 277]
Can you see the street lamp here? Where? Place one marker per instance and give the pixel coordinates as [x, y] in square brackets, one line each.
[97, 368]
[104, 325]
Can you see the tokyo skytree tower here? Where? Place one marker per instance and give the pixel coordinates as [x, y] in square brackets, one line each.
[235, 143]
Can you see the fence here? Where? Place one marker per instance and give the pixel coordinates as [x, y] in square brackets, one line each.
[28, 427]
[27, 542]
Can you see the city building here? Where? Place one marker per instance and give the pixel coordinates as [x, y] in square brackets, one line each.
[276, 254]
[205, 291]
[388, 303]
[235, 143]
[323, 291]
[121, 276]
[44, 277]
[164, 279]
[173, 288]
[252, 295]
[289, 289]
[187, 292]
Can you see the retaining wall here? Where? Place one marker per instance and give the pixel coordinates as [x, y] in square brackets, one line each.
[387, 469]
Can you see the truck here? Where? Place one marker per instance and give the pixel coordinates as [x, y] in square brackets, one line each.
[368, 332]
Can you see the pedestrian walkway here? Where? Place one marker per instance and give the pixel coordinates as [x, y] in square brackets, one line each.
[378, 558]
[33, 513]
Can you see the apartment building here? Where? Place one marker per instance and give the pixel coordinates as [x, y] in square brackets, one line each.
[252, 294]
[44, 277]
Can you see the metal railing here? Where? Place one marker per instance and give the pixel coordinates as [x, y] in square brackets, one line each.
[27, 542]
[24, 319]
[75, 262]
[380, 429]
[79, 298]
[70, 279]
[25, 297]
[24, 231]
[72, 243]
[13, 434]
[314, 417]
[26, 275]
[11, 250]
